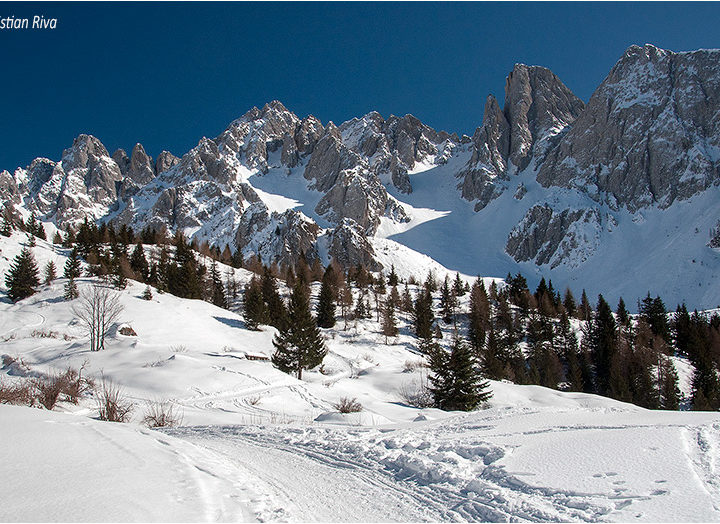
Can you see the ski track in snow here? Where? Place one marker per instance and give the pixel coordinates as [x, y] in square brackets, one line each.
[703, 445]
[396, 474]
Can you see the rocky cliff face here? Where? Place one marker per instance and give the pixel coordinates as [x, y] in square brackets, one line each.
[650, 133]
[649, 137]
[538, 107]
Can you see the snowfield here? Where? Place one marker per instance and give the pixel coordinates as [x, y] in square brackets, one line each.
[259, 445]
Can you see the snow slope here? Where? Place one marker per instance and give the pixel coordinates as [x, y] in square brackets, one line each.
[259, 444]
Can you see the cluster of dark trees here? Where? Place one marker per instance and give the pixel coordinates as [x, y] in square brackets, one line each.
[507, 332]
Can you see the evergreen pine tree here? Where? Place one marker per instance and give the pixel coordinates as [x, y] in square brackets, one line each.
[70, 290]
[253, 305]
[217, 287]
[456, 383]
[446, 302]
[406, 303]
[458, 286]
[50, 272]
[326, 304]
[299, 345]
[479, 315]
[603, 344]
[147, 294]
[389, 324]
[653, 311]
[392, 278]
[139, 263]
[31, 240]
[22, 278]
[7, 228]
[274, 307]
[584, 312]
[422, 314]
[668, 385]
[622, 313]
[57, 239]
[72, 265]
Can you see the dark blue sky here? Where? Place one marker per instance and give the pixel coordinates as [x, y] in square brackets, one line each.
[167, 74]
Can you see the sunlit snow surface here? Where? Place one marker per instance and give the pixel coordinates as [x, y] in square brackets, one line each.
[257, 444]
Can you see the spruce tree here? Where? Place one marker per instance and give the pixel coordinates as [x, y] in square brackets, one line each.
[326, 305]
[300, 344]
[7, 228]
[406, 303]
[584, 312]
[70, 290]
[392, 278]
[22, 277]
[147, 294]
[253, 305]
[50, 272]
[653, 311]
[389, 324]
[622, 313]
[456, 383]
[458, 286]
[217, 287]
[139, 263]
[274, 307]
[447, 302]
[57, 239]
[603, 342]
[479, 315]
[72, 265]
[422, 314]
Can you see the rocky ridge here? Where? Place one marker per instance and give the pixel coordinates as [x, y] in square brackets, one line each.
[647, 138]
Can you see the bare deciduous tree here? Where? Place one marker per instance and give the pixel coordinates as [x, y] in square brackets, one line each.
[98, 309]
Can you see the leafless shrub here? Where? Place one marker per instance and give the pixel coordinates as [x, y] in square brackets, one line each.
[412, 365]
[416, 393]
[73, 384]
[179, 349]
[112, 406]
[20, 394]
[44, 334]
[348, 405]
[48, 390]
[254, 400]
[7, 361]
[162, 414]
[98, 309]
[128, 331]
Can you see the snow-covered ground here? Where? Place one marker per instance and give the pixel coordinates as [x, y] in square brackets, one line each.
[257, 444]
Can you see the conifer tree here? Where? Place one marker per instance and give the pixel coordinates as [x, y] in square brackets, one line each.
[653, 311]
[217, 287]
[603, 343]
[139, 263]
[50, 272]
[458, 286]
[22, 278]
[31, 240]
[299, 345]
[567, 346]
[456, 383]
[422, 314]
[622, 313]
[479, 315]
[446, 302]
[72, 265]
[392, 277]
[253, 304]
[585, 310]
[326, 303]
[389, 324]
[7, 227]
[430, 282]
[681, 329]
[669, 394]
[406, 303]
[274, 307]
[491, 358]
[70, 291]
[147, 294]
[57, 239]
